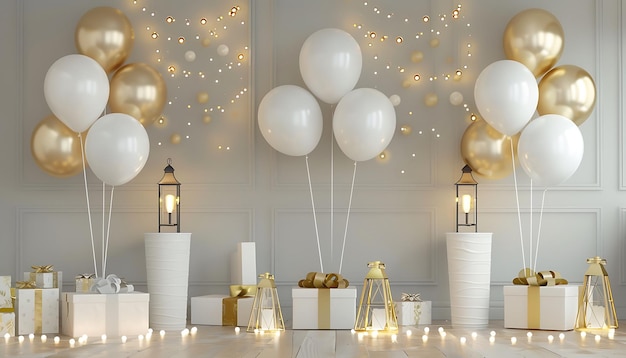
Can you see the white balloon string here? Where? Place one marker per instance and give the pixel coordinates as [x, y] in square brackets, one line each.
[106, 250]
[345, 233]
[530, 236]
[103, 213]
[93, 247]
[317, 234]
[543, 199]
[332, 194]
[519, 216]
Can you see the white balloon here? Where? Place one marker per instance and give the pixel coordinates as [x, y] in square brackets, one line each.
[117, 148]
[290, 120]
[222, 50]
[190, 56]
[330, 64]
[456, 98]
[395, 100]
[364, 123]
[76, 88]
[506, 95]
[550, 149]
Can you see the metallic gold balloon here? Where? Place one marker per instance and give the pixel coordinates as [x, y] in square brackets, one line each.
[56, 148]
[487, 151]
[567, 90]
[535, 38]
[138, 90]
[106, 35]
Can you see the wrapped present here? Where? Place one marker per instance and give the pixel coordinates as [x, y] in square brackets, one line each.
[37, 309]
[412, 311]
[540, 301]
[243, 264]
[45, 277]
[5, 293]
[7, 323]
[120, 314]
[221, 310]
[84, 282]
[7, 310]
[323, 301]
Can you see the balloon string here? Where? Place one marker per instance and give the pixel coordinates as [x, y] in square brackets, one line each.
[317, 234]
[332, 194]
[543, 199]
[519, 217]
[103, 212]
[106, 250]
[530, 236]
[345, 233]
[93, 248]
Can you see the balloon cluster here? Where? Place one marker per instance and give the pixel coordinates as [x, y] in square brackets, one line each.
[364, 120]
[550, 147]
[77, 90]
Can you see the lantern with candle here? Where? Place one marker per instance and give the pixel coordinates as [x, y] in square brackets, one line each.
[169, 199]
[466, 197]
[376, 310]
[596, 310]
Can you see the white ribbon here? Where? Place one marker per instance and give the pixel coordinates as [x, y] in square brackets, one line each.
[111, 284]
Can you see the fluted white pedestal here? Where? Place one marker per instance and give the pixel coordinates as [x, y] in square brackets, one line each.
[469, 270]
[167, 268]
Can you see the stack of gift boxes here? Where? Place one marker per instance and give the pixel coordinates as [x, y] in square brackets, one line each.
[233, 309]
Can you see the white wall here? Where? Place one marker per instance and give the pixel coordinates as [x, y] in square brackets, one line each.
[249, 192]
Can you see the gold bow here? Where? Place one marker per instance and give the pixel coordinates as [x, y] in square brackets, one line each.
[43, 269]
[411, 297]
[25, 284]
[86, 275]
[242, 290]
[322, 280]
[543, 278]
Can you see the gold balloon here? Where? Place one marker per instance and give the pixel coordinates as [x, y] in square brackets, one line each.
[56, 148]
[106, 35]
[139, 91]
[487, 151]
[567, 90]
[431, 99]
[535, 38]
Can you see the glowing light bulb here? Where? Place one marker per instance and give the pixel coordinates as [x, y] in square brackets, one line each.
[170, 200]
[466, 203]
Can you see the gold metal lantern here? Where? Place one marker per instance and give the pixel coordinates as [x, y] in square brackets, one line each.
[266, 314]
[596, 310]
[376, 310]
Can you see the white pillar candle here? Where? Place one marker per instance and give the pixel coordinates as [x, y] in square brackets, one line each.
[379, 318]
[267, 319]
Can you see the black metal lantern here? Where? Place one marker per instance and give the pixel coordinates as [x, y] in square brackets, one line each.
[466, 198]
[169, 199]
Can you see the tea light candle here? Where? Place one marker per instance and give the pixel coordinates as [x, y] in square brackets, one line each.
[194, 330]
[492, 333]
[597, 338]
[124, 338]
[426, 330]
[7, 336]
[31, 337]
[562, 336]
[184, 332]
[513, 340]
[409, 333]
[550, 338]
[162, 333]
[612, 333]
[583, 334]
[20, 339]
[72, 342]
[463, 340]
[44, 338]
[103, 338]
[492, 339]
[379, 318]
[474, 335]
[57, 339]
[394, 338]
[425, 338]
[237, 330]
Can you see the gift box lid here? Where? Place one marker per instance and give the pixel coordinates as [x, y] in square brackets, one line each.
[79, 297]
[300, 292]
[210, 297]
[546, 291]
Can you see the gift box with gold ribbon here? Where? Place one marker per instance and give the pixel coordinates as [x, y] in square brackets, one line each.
[37, 309]
[7, 310]
[412, 311]
[45, 277]
[323, 301]
[84, 282]
[221, 310]
[542, 300]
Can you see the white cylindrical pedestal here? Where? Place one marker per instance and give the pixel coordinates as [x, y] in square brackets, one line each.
[469, 270]
[167, 268]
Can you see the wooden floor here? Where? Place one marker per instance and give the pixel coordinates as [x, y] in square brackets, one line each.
[423, 341]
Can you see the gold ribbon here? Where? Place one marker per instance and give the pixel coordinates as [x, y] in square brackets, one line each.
[38, 311]
[86, 275]
[533, 309]
[229, 310]
[25, 284]
[322, 280]
[542, 278]
[411, 297]
[323, 308]
[43, 269]
[242, 290]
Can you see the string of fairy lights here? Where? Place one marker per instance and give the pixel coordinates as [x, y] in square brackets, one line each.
[198, 53]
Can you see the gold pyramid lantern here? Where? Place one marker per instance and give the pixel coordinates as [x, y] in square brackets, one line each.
[596, 310]
[376, 310]
[266, 314]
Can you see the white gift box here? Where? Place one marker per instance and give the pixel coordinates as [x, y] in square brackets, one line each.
[94, 314]
[7, 324]
[541, 307]
[5, 292]
[37, 310]
[323, 308]
[83, 284]
[243, 264]
[411, 313]
[52, 279]
[212, 310]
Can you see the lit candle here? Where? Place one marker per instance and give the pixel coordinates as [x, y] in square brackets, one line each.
[474, 335]
[267, 319]
[162, 333]
[379, 318]
[57, 339]
[492, 339]
[611, 333]
[20, 339]
[375, 334]
[463, 340]
[184, 332]
[44, 338]
[140, 337]
[394, 338]
[443, 335]
[124, 338]
[550, 338]
[597, 338]
[426, 330]
[237, 330]
[425, 338]
[561, 336]
[72, 342]
[492, 333]
[466, 203]
[103, 338]
[583, 334]
[529, 335]
[194, 330]
[513, 340]
[31, 337]
[7, 336]
[409, 333]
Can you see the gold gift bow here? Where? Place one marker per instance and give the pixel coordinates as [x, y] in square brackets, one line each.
[322, 280]
[43, 269]
[25, 284]
[86, 275]
[542, 278]
[411, 297]
[242, 290]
